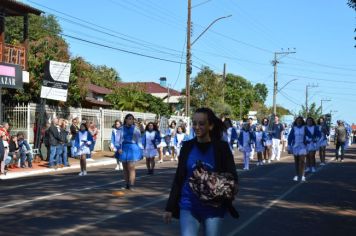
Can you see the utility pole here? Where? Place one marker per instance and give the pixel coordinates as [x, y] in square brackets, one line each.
[240, 109]
[224, 79]
[188, 62]
[306, 98]
[321, 101]
[275, 83]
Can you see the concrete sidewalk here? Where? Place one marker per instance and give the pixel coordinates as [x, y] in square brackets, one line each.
[98, 159]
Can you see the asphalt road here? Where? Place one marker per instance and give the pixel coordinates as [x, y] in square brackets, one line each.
[269, 202]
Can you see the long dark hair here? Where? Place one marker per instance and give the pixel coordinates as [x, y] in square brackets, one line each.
[312, 119]
[295, 121]
[218, 126]
[154, 126]
[227, 123]
[127, 116]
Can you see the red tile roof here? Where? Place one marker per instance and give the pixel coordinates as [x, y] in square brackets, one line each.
[152, 87]
[99, 90]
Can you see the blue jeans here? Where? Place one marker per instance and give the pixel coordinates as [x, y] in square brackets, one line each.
[53, 158]
[62, 154]
[189, 224]
[72, 148]
[25, 156]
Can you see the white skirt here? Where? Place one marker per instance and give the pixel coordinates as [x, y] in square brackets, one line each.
[150, 153]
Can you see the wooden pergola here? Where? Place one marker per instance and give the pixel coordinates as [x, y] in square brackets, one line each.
[10, 53]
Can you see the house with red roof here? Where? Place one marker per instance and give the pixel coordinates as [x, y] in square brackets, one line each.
[96, 94]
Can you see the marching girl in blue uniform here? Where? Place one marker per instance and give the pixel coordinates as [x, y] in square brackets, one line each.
[116, 141]
[209, 150]
[323, 141]
[297, 146]
[245, 144]
[260, 140]
[131, 150]
[150, 139]
[230, 134]
[82, 143]
[267, 153]
[312, 139]
[179, 138]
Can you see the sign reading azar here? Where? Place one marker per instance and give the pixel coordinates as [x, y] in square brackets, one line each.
[55, 81]
[10, 76]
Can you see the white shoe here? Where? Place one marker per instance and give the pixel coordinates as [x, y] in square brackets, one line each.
[269, 161]
[295, 178]
[176, 159]
[322, 164]
[81, 173]
[160, 161]
[172, 159]
[90, 159]
[120, 166]
[117, 167]
[303, 179]
[307, 169]
[257, 164]
[85, 172]
[263, 161]
[313, 170]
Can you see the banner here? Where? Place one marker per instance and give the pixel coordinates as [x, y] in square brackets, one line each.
[10, 76]
[55, 81]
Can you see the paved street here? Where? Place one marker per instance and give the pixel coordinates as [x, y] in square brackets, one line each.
[269, 202]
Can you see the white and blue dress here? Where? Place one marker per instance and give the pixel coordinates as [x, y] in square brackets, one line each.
[260, 138]
[116, 140]
[297, 141]
[312, 138]
[131, 144]
[82, 143]
[150, 141]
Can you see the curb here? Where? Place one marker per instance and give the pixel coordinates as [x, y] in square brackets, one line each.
[75, 166]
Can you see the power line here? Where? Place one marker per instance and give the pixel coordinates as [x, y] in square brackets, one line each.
[123, 50]
[313, 78]
[322, 65]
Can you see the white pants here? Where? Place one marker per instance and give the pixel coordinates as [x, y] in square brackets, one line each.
[276, 149]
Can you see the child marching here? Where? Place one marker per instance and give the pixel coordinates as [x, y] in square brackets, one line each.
[245, 144]
[312, 139]
[151, 138]
[323, 141]
[179, 138]
[259, 140]
[131, 150]
[116, 141]
[82, 143]
[297, 146]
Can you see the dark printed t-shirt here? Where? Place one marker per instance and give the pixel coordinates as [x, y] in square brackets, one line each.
[277, 129]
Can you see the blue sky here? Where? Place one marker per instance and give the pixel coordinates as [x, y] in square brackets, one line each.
[321, 32]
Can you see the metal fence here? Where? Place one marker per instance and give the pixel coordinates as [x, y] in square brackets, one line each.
[24, 117]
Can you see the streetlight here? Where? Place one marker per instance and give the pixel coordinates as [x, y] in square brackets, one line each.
[286, 84]
[188, 62]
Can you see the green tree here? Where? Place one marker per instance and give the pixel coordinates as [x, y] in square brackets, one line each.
[261, 93]
[313, 111]
[156, 105]
[130, 98]
[104, 76]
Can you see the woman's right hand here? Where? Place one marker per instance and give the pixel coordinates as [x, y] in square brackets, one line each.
[120, 151]
[167, 217]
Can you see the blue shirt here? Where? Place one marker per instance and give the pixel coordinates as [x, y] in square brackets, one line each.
[276, 132]
[189, 201]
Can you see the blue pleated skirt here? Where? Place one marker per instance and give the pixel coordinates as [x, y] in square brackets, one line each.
[130, 153]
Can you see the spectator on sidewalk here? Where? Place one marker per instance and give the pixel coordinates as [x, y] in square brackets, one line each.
[93, 130]
[5, 127]
[116, 142]
[63, 146]
[54, 142]
[25, 150]
[74, 128]
[83, 141]
[277, 139]
[14, 151]
[2, 153]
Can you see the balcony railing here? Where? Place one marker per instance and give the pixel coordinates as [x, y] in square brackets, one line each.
[13, 55]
